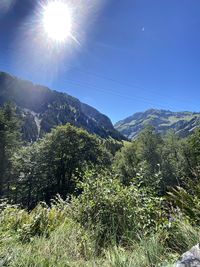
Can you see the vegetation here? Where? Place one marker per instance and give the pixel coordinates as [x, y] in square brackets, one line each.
[74, 199]
[9, 141]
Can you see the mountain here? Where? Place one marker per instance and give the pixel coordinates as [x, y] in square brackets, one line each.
[183, 123]
[41, 109]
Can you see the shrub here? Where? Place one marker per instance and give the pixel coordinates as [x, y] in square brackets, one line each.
[41, 221]
[116, 212]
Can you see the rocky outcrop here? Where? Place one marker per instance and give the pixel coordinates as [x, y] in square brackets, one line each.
[191, 258]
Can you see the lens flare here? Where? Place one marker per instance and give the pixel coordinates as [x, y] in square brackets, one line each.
[51, 38]
[57, 21]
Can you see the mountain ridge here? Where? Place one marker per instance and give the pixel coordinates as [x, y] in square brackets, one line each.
[183, 122]
[42, 109]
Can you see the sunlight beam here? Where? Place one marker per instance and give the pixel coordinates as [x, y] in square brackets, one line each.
[57, 21]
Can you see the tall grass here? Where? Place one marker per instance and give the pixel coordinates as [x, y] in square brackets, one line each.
[50, 237]
[183, 236]
[70, 246]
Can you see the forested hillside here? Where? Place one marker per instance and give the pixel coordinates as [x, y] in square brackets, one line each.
[41, 109]
[75, 199]
[182, 123]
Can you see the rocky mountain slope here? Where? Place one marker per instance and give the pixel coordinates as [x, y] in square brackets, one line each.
[183, 123]
[41, 109]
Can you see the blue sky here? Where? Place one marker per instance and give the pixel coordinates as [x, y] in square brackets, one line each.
[137, 54]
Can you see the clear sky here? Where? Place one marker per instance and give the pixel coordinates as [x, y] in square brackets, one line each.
[130, 55]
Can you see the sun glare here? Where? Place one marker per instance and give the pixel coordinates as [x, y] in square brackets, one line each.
[57, 21]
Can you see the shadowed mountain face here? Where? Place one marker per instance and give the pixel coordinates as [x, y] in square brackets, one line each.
[41, 109]
[183, 123]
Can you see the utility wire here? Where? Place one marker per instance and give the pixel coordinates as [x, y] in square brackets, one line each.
[115, 93]
[132, 86]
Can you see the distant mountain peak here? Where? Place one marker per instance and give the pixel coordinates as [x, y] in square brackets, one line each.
[183, 123]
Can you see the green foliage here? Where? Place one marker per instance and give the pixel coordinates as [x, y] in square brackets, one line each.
[29, 128]
[116, 212]
[193, 154]
[54, 165]
[43, 237]
[59, 240]
[188, 202]
[172, 160]
[112, 145]
[148, 252]
[130, 204]
[139, 162]
[126, 162]
[182, 236]
[149, 149]
[41, 221]
[155, 162]
[9, 141]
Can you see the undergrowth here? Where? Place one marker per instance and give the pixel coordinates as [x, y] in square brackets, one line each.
[49, 237]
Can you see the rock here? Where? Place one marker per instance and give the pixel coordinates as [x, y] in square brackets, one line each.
[190, 258]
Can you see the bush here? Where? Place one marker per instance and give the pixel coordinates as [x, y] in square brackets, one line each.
[41, 221]
[116, 213]
[46, 236]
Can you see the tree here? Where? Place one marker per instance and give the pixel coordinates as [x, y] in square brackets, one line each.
[171, 161]
[9, 141]
[149, 149]
[139, 162]
[193, 154]
[126, 162]
[69, 150]
[54, 164]
[188, 160]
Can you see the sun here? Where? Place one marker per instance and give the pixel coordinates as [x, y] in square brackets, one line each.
[57, 21]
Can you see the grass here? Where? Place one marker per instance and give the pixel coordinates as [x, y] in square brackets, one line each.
[68, 244]
[71, 246]
[63, 251]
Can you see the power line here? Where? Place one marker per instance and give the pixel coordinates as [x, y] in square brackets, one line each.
[115, 93]
[131, 85]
